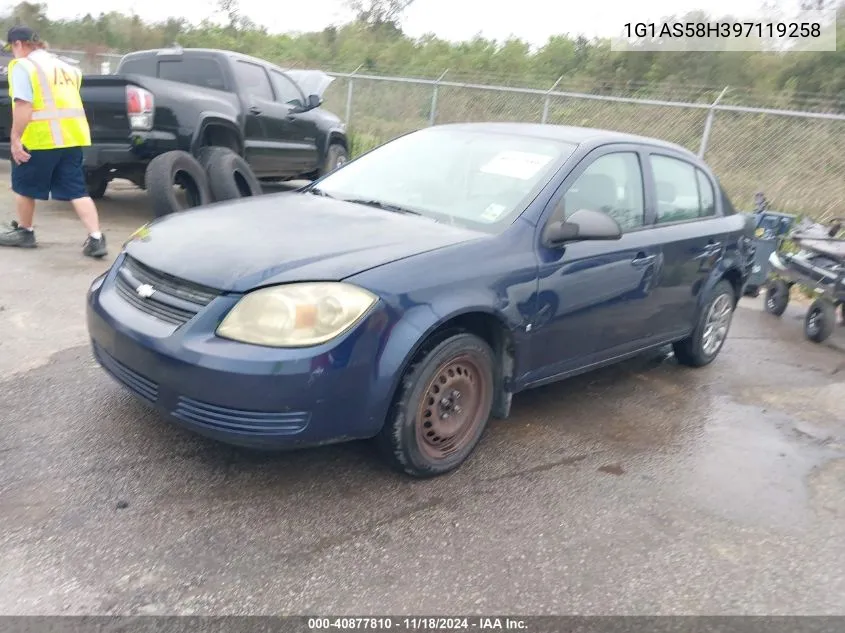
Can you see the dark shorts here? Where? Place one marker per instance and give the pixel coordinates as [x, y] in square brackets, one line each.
[56, 173]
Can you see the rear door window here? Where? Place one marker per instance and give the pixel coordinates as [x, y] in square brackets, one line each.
[684, 192]
[196, 71]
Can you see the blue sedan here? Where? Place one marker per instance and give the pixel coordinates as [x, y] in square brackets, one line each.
[409, 294]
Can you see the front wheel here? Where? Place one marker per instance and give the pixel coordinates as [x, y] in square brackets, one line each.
[336, 157]
[711, 330]
[442, 407]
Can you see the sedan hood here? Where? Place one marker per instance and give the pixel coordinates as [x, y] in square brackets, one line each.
[282, 238]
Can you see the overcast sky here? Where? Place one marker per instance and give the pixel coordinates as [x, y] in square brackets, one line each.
[534, 21]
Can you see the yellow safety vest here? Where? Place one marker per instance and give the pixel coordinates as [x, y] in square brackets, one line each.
[58, 118]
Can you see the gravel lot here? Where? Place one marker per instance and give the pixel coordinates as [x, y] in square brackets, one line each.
[641, 489]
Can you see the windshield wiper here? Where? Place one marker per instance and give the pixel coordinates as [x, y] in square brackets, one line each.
[378, 204]
[319, 192]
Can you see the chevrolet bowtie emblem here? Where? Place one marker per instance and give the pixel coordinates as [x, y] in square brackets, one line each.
[145, 291]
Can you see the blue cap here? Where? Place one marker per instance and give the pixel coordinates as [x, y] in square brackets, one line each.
[20, 33]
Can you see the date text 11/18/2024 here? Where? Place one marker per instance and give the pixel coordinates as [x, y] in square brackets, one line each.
[418, 624]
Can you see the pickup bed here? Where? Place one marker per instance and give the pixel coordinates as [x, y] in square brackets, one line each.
[185, 99]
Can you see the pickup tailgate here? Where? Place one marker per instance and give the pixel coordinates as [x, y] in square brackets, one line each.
[106, 100]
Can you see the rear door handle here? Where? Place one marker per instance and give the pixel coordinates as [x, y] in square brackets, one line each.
[642, 260]
[254, 110]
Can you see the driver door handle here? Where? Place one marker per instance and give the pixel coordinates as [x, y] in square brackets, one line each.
[642, 260]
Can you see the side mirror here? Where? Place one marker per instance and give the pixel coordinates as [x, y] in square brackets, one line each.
[584, 224]
[314, 101]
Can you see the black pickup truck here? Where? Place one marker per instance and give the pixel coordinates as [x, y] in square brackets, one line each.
[185, 100]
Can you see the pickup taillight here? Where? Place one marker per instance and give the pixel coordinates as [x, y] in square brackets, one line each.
[140, 107]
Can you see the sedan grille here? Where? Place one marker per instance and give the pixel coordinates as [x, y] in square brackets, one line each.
[168, 298]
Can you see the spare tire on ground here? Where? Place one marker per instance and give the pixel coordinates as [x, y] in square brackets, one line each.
[176, 169]
[230, 176]
[204, 154]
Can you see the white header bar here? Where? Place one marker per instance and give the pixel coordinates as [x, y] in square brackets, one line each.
[806, 31]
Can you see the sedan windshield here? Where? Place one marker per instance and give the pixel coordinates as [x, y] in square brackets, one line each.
[478, 180]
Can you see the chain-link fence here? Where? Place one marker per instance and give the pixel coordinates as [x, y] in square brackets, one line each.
[794, 157]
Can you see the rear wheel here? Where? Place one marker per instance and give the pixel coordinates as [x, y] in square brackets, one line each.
[777, 297]
[176, 182]
[711, 330]
[97, 189]
[442, 407]
[820, 321]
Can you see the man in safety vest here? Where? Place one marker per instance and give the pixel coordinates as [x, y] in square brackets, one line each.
[49, 130]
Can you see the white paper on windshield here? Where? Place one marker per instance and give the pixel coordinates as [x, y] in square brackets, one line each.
[522, 165]
[493, 212]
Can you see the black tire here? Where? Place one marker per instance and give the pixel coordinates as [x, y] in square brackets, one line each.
[206, 153]
[335, 157]
[171, 169]
[97, 190]
[820, 321]
[696, 350]
[409, 439]
[777, 297]
[230, 177]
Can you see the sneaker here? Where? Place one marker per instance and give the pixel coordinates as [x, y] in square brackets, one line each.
[95, 247]
[14, 235]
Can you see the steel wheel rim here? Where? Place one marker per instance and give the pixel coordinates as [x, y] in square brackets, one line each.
[717, 324]
[451, 409]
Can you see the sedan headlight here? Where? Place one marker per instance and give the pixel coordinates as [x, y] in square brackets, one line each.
[296, 315]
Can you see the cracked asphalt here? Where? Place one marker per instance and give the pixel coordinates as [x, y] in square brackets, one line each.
[641, 489]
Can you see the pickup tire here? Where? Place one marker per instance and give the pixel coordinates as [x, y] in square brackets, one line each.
[97, 189]
[230, 176]
[171, 169]
[335, 157]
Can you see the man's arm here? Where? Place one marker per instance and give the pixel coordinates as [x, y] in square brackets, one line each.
[21, 86]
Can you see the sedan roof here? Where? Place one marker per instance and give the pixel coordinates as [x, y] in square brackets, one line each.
[565, 133]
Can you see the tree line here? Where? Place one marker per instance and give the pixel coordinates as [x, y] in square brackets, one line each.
[373, 40]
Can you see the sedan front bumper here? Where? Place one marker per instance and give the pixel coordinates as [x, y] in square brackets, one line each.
[233, 392]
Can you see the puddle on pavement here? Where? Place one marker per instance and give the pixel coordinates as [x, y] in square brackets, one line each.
[750, 465]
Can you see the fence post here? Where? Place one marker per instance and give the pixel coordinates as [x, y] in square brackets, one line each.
[349, 94]
[546, 102]
[433, 114]
[708, 123]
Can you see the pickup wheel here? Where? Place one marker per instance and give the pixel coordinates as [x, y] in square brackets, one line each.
[175, 169]
[442, 407]
[97, 189]
[711, 329]
[335, 157]
[230, 176]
